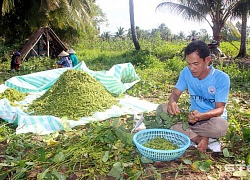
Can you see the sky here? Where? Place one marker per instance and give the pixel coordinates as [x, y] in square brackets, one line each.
[117, 13]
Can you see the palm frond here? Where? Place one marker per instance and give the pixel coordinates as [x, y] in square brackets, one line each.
[233, 29]
[187, 12]
[49, 5]
[7, 6]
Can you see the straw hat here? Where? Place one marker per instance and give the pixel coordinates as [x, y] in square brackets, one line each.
[63, 53]
[71, 51]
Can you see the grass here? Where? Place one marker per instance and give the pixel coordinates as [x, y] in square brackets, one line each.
[104, 150]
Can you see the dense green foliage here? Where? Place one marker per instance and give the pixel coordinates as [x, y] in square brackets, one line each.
[104, 149]
[69, 19]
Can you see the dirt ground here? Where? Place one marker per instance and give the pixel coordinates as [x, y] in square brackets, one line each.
[183, 171]
[242, 63]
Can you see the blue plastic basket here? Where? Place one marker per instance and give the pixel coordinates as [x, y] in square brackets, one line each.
[175, 137]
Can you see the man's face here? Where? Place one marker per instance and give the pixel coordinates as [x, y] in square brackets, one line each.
[197, 66]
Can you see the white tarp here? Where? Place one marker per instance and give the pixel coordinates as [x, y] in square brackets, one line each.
[117, 80]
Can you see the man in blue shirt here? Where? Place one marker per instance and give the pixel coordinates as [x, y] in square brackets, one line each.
[208, 89]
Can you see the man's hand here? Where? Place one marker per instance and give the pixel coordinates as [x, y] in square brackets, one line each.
[194, 116]
[173, 108]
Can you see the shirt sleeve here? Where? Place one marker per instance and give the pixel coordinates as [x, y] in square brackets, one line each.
[61, 61]
[223, 87]
[182, 83]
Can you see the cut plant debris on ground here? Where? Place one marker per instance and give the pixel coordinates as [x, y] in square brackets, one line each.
[105, 150]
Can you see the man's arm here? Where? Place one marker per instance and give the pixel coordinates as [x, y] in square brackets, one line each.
[60, 62]
[195, 115]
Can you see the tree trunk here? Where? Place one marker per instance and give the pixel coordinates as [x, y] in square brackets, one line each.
[242, 51]
[217, 32]
[132, 23]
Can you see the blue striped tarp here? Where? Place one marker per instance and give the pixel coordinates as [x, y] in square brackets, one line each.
[117, 80]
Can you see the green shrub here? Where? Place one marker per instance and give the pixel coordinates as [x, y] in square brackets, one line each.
[230, 49]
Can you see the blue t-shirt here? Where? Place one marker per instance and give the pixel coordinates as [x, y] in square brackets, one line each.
[206, 92]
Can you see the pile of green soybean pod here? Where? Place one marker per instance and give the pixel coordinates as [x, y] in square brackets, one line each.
[74, 95]
[13, 95]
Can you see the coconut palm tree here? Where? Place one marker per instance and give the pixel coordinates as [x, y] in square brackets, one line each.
[132, 24]
[214, 12]
[32, 14]
[64, 13]
[194, 35]
[181, 35]
[120, 33]
[204, 35]
[165, 31]
[75, 11]
[242, 10]
[106, 36]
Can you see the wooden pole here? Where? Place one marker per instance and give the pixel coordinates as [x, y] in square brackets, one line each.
[47, 37]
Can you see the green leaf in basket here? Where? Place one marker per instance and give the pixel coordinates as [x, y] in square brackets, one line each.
[160, 144]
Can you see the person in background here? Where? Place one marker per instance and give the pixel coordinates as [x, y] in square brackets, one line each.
[15, 61]
[73, 57]
[65, 60]
[208, 89]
